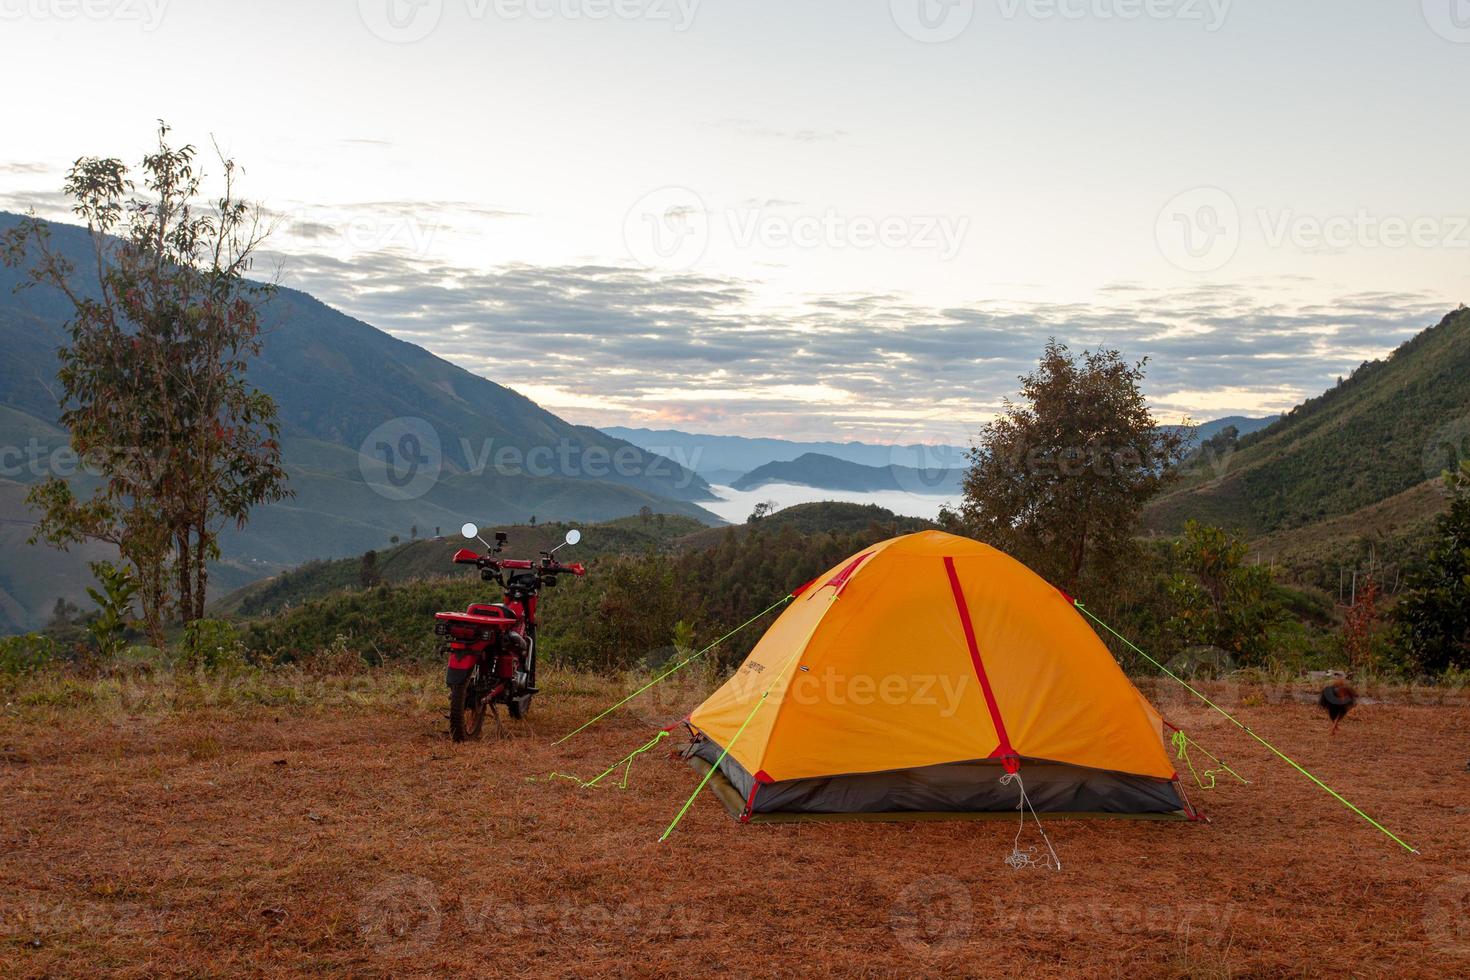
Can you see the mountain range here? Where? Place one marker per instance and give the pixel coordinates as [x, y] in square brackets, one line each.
[1351, 471]
[361, 413]
[729, 460]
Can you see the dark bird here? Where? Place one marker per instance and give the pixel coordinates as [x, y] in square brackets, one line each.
[1337, 700]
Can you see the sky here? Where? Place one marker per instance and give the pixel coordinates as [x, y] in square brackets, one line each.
[808, 218]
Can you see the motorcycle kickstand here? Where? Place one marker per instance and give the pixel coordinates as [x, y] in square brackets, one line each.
[499, 728]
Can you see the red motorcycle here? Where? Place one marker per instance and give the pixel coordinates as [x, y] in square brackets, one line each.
[492, 646]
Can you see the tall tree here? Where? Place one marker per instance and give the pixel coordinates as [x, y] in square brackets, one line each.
[1059, 478]
[153, 382]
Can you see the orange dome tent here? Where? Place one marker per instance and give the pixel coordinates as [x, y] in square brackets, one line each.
[907, 679]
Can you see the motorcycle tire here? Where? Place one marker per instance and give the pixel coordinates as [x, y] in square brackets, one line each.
[466, 709]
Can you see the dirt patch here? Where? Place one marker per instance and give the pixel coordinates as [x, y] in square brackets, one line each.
[361, 841]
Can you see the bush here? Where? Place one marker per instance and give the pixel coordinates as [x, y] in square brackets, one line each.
[26, 654]
[1433, 616]
[210, 644]
[1219, 598]
[109, 629]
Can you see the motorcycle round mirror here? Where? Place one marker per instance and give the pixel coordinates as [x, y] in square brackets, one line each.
[573, 536]
[470, 531]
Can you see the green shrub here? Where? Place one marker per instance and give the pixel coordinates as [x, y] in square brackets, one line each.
[210, 645]
[114, 607]
[26, 654]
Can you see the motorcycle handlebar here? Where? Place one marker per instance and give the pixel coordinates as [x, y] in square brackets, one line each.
[465, 556]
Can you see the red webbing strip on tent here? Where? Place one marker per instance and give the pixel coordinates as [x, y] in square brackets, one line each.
[839, 581]
[1004, 750]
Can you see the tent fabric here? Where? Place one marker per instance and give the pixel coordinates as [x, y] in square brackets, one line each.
[954, 787]
[932, 650]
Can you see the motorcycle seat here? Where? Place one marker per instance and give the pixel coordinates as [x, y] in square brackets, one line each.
[497, 618]
[492, 609]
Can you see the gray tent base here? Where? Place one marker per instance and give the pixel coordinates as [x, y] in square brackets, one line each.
[734, 803]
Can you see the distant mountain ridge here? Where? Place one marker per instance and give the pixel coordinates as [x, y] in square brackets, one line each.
[715, 456]
[723, 459]
[830, 473]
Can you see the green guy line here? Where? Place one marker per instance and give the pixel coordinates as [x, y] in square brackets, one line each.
[739, 731]
[1246, 728]
[677, 666]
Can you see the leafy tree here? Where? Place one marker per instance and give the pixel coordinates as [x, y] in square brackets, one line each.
[1433, 615]
[645, 513]
[367, 573]
[762, 510]
[63, 614]
[152, 378]
[1059, 479]
[1219, 599]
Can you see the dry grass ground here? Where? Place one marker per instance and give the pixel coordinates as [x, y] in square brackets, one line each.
[164, 829]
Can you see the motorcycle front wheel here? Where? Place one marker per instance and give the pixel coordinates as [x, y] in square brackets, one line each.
[466, 708]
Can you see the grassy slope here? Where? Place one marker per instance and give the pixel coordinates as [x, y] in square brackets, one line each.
[426, 559]
[1390, 533]
[1378, 434]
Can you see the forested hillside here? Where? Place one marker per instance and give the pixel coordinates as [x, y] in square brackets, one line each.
[1392, 425]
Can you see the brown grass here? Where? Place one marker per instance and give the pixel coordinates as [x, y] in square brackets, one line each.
[174, 828]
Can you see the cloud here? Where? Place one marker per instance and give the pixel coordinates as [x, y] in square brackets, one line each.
[606, 344]
[24, 168]
[47, 204]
